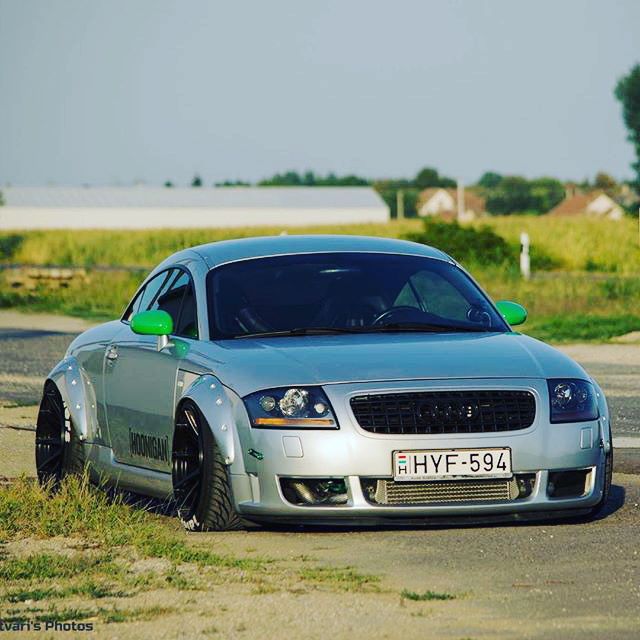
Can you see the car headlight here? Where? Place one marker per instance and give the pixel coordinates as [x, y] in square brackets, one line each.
[572, 400]
[293, 407]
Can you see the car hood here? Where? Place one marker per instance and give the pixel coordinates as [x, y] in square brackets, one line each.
[251, 364]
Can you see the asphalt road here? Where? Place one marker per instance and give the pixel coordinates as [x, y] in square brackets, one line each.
[528, 581]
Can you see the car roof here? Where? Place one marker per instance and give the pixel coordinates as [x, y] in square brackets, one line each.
[217, 253]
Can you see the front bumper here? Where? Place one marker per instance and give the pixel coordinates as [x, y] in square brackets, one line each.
[353, 454]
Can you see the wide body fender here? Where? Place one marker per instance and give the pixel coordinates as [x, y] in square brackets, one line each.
[605, 418]
[216, 402]
[79, 395]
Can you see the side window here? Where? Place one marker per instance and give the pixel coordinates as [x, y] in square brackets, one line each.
[170, 297]
[178, 300]
[171, 291]
[147, 295]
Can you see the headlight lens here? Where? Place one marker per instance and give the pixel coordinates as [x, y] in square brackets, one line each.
[293, 407]
[572, 400]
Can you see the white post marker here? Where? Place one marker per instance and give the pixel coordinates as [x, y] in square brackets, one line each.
[460, 198]
[400, 204]
[525, 260]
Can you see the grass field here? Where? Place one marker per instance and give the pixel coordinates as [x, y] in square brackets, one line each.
[589, 290]
[77, 554]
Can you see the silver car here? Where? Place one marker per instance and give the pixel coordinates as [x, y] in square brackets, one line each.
[328, 380]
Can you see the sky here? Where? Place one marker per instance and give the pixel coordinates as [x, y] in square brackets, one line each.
[111, 92]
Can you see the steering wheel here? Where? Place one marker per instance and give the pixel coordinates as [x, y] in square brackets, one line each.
[407, 313]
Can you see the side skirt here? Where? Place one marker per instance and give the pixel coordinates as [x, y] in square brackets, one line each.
[104, 468]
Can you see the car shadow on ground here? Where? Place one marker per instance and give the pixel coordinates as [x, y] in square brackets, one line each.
[169, 508]
[614, 503]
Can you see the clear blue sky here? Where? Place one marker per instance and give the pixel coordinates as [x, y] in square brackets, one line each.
[113, 91]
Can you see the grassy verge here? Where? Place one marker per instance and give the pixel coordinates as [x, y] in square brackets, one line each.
[91, 557]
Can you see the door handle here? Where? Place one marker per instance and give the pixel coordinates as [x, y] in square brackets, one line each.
[112, 353]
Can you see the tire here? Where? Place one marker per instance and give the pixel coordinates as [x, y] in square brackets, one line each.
[201, 486]
[59, 451]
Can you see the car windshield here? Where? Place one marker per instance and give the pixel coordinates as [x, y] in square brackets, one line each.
[343, 293]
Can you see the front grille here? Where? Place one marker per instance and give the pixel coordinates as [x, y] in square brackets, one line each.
[390, 492]
[432, 412]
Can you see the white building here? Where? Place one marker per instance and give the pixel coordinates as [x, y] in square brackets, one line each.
[143, 207]
[595, 204]
[443, 203]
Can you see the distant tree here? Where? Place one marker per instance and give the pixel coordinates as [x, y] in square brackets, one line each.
[197, 181]
[1, 199]
[388, 190]
[310, 179]
[426, 178]
[515, 194]
[429, 177]
[627, 91]
[605, 182]
[233, 183]
[287, 179]
[510, 196]
[168, 184]
[544, 194]
[489, 180]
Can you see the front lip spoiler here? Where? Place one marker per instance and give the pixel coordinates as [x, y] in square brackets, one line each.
[426, 522]
[379, 521]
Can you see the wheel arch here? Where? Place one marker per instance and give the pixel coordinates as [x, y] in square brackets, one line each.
[78, 394]
[605, 417]
[212, 399]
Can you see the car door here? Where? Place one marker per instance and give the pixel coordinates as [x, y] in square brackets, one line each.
[140, 380]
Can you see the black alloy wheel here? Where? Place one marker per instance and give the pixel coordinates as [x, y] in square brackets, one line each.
[201, 484]
[58, 451]
[187, 457]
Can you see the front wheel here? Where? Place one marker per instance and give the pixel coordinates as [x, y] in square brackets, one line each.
[201, 486]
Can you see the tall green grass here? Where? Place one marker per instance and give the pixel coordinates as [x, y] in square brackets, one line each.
[591, 266]
[576, 244]
[149, 247]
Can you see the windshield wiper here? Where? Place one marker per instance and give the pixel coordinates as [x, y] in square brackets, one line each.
[300, 331]
[391, 327]
[426, 326]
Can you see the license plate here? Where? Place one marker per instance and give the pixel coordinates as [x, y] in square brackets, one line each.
[438, 464]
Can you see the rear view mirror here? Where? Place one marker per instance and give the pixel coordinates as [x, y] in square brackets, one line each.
[152, 323]
[512, 312]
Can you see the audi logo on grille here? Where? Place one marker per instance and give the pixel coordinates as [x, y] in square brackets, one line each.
[448, 411]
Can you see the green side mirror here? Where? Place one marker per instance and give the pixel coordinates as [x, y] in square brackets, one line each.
[512, 312]
[152, 323]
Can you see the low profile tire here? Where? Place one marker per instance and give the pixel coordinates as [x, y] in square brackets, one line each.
[58, 449]
[201, 484]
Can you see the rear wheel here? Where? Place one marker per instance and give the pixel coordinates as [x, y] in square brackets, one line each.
[201, 485]
[58, 449]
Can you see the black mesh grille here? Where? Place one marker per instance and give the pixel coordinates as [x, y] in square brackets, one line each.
[465, 411]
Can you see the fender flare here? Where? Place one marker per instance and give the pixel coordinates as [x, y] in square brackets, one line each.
[78, 394]
[212, 398]
[605, 418]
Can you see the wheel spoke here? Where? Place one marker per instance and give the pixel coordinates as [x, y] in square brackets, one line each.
[186, 497]
[186, 480]
[50, 459]
[185, 455]
[192, 421]
[48, 442]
